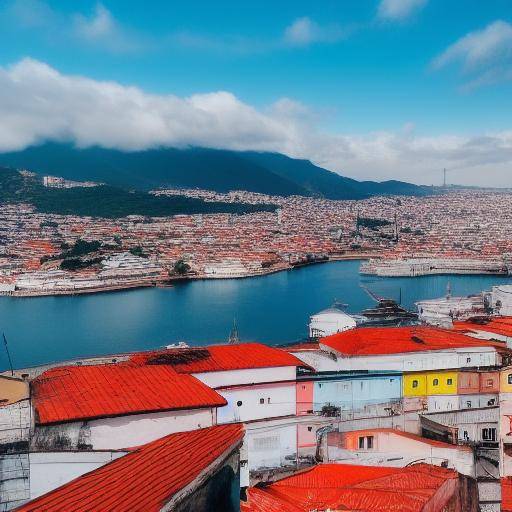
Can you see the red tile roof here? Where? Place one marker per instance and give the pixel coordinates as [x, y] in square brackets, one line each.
[217, 358]
[73, 393]
[395, 340]
[497, 325]
[145, 479]
[361, 488]
[506, 494]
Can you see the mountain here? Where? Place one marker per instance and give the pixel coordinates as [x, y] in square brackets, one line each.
[212, 169]
[107, 200]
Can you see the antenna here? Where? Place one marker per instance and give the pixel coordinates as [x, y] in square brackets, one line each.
[233, 335]
[8, 354]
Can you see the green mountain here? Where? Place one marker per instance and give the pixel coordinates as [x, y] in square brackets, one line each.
[212, 169]
[107, 200]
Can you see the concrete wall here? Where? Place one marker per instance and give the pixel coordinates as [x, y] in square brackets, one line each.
[15, 422]
[12, 390]
[119, 432]
[49, 470]
[355, 393]
[248, 376]
[304, 397]
[257, 402]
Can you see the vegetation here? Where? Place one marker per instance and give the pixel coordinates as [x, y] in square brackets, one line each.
[107, 201]
[368, 222]
[137, 251]
[81, 248]
[78, 263]
[181, 267]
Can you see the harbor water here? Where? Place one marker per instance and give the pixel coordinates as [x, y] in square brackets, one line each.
[270, 309]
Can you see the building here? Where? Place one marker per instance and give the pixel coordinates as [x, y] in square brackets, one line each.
[330, 321]
[196, 470]
[415, 488]
[258, 383]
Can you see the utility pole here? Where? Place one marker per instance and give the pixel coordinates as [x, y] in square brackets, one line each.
[8, 354]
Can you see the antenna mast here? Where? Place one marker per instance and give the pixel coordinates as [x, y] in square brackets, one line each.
[8, 354]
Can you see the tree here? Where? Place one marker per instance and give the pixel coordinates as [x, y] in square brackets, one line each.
[181, 267]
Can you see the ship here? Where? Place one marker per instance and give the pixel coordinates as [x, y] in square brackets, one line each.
[387, 312]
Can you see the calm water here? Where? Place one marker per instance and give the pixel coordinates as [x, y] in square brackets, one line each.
[270, 309]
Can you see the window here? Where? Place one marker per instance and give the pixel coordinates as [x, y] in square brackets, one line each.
[369, 442]
[414, 383]
[435, 382]
[303, 387]
[449, 382]
[491, 402]
[509, 378]
[489, 381]
[268, 400]
[239, 403]
[489, 434]
[262, 401]
[468, 404]
[310, 428]
[361, 443]
[468, 359]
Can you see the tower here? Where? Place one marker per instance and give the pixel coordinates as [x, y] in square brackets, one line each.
[233, 335]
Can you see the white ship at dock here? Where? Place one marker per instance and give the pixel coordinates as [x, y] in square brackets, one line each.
[412, 267]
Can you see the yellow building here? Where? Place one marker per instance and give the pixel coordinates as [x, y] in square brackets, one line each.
[430, 383]
[12, 390]
[506, 380]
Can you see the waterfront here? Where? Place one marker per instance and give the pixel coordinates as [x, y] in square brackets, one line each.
[271, 309]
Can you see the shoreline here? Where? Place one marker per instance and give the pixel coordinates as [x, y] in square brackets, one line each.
[169, 283]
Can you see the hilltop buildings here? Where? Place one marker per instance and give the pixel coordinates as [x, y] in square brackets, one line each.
[351, 410]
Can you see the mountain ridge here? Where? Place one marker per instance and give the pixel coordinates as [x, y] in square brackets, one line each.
[211, 169]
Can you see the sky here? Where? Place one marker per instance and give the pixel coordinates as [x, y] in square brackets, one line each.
[372, 89]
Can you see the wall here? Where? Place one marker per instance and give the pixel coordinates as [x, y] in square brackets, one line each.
[49, 470]
[119, 432]
[304, 397]
[356, 392]
[416, 361]
[247, 376]
[15, 422]
[278, 400]
[468, 383]
[129, 431]
[272, 446]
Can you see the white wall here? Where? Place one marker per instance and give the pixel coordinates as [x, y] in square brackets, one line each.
[441, 403]
[278, 400]
[49, 470]
[247, 376]
[269, 447]
[416, 361]
[128, 431]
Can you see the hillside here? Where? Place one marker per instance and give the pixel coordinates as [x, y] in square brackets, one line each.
[107, 201]
[212, 169]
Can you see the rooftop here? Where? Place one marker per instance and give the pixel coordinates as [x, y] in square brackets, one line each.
[145, 479]
[73, 393]
[396, 340]
[215, 358]
[362, 488]
[501, 325]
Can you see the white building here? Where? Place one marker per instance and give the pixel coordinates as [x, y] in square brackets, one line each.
[330, 321]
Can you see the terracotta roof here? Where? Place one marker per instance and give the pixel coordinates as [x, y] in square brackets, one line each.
[361, 488]
[506, 494]
[395, 340]
[497, 325]
[217, 358]
[74, 393]
[145, 479]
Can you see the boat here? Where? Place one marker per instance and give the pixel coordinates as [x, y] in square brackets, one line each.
[387, 312]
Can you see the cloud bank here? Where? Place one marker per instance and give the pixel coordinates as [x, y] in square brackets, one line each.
[38, 104]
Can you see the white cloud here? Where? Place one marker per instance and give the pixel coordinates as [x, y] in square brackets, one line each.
[101, 28]
[38, 103]
[485, 55]
[304, 31]
[399, 9]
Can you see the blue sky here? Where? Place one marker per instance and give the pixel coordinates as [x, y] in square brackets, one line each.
[420, 78]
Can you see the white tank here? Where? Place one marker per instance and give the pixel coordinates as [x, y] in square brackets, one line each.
[330, 321]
